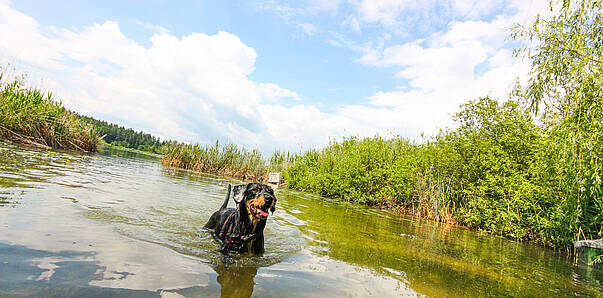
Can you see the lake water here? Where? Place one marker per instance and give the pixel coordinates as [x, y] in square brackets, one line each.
[120, 224]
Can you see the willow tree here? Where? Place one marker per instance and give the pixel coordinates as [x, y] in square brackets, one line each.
[565, 89]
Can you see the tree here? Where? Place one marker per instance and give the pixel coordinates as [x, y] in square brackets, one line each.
[566, 90]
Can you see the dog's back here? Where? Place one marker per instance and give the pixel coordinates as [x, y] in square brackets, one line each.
[221, 215]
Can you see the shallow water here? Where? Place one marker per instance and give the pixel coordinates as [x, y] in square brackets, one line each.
[119, 224]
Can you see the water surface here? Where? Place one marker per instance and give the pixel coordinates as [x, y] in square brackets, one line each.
[119, 224]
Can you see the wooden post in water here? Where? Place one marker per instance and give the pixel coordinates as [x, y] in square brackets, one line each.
[274, 178]
[589, 250]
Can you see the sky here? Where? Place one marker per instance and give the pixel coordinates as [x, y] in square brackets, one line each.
[272, 75]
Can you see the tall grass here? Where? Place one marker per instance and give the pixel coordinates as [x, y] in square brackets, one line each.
[29, 116]
[392, 173]
[228, 160]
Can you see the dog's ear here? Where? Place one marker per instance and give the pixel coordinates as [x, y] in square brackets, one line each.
[238, 192]
[273, 207]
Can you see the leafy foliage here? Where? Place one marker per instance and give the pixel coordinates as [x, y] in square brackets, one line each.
[370, 170]
[494, 170]
[566, 89]
[482, 174]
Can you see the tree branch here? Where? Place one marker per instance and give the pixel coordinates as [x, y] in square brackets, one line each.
[567, 48]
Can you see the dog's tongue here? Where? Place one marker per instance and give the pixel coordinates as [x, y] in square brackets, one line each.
[262, 212]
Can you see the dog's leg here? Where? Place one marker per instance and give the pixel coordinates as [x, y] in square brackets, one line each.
[257, 245]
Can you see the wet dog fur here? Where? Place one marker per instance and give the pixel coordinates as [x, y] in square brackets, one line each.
[241, 229]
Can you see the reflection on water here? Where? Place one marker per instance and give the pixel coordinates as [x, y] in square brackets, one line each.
[29, 272]
[119, 224]
[236, 281]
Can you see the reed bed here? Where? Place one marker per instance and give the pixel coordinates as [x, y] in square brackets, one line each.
[228, 160]
[29, 116]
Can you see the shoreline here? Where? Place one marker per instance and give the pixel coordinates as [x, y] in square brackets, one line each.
[107, 145]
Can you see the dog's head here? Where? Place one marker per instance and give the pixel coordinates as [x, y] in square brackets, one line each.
[256, 198]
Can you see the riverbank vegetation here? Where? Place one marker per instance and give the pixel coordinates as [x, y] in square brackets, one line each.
[32, 117]
[228, 160]
[529, 168]
[490, 173]
[29, 116]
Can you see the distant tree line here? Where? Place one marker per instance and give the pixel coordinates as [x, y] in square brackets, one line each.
[117, 135]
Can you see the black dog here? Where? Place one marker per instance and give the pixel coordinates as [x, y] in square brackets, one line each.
[241, 229]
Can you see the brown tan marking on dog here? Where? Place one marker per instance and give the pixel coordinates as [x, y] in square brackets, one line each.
[253, 205]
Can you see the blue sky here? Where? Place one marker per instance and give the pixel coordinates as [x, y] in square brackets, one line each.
[268, 74]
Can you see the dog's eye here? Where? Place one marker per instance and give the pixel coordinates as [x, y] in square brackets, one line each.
[255, 190]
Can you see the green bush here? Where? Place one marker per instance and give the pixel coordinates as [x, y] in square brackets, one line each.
[492, 172]
[370, 170]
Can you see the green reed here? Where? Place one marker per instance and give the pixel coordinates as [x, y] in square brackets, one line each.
[32, 117]
[228, 160]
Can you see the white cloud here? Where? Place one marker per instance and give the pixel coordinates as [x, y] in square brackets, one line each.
[18, 29]
[307, 7]
[384, 11]
[308, 29]
[197, 88]
[468, 60]
[194, 88]
[273, 92]
[352, 23]
[152, 27]
[408, 16]
[321, 6]
[473, 9]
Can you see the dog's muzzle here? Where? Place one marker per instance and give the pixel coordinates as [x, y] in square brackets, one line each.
[262, 212]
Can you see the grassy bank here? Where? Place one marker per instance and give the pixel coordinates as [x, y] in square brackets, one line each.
[107, 145]
[28, 116]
